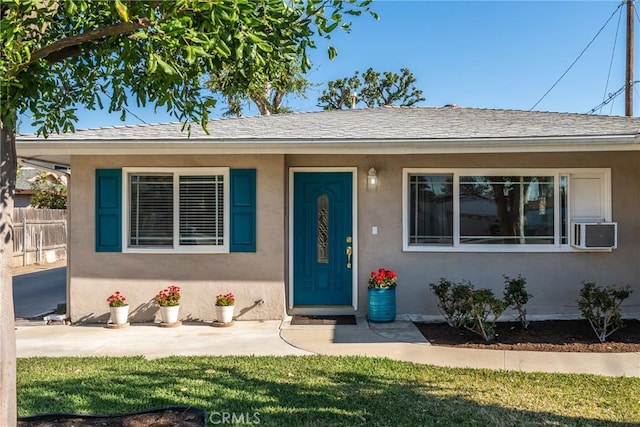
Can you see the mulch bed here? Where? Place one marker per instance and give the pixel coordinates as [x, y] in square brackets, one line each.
[548, 335]
[167, 417]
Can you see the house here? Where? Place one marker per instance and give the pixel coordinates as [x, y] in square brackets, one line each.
[27, 176]
[23, 191]
[292, 212]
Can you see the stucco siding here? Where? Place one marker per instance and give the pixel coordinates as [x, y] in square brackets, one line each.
[554, 279]
[250, 276]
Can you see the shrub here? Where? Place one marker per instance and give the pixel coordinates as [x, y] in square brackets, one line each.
[601, 307]
[453, 301]
[469, 308]
[483, 306]
[50, 192]
[516, 296]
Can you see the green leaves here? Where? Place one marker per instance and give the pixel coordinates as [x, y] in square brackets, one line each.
[516, 296]
[601, 307]
[168, 69]
[332, 52]
[469, 308]
[338, 94]
[50, 192]
[374, 90]
[122, 10]
[156, 52]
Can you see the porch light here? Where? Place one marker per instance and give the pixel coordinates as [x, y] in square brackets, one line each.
[372, 180]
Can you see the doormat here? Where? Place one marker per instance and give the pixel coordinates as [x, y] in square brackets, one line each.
[324, 320]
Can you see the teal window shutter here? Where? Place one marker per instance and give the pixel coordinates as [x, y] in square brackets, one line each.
[108, 210]
[243, 210]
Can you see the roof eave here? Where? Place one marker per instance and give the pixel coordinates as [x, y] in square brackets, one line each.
[32, 148]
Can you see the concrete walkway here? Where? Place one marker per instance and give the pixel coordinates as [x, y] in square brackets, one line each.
[399, 340]
[152, 341]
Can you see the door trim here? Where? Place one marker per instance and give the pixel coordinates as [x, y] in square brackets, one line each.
[354, 225]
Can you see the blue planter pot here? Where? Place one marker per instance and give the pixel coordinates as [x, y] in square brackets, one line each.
[381, 306]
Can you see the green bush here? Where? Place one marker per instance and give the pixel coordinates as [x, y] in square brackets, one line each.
[453, 301]
[484, 305]
[516, 297]
[469, 308]
[50, 192]
[601, 307]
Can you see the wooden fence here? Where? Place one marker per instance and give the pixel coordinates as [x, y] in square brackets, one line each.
[40, 236]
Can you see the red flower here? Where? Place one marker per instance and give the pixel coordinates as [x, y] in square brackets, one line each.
[116, 299]
[224, 300]
[168, 297]
[383, 278]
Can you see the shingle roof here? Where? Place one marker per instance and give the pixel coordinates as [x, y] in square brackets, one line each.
[25, 178]
[386, 123]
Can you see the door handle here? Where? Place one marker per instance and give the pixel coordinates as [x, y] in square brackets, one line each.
[349, 253]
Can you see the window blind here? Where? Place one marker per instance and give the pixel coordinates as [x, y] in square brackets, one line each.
[151, 202]
[202, 210]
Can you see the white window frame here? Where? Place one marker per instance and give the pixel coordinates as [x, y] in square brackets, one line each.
[176, 173]
[557, 246]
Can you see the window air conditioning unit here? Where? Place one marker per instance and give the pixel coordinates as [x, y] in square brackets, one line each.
[594, 235]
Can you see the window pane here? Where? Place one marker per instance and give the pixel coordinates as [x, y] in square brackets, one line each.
[323, 229]
[564, 203]
[202, 210]
[506, 210]
[151, 214]
[431, 209]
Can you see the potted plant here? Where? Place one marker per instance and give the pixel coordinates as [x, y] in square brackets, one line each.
[119, 308]
[169, 301]
[225, 304]
[382, 296]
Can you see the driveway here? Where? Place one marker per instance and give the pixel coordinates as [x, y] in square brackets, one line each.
[39, 292]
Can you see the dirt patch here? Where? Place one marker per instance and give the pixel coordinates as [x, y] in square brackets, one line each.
[168, 417]
[548, 335]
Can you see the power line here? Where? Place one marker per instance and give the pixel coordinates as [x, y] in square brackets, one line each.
[579, 56]
[611, 97]
[126, 109]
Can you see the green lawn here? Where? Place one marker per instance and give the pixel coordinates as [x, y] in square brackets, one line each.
[325, 391]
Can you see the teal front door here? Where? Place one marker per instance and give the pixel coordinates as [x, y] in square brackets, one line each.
[322, 238]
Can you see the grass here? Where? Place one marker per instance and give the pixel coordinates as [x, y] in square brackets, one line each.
[325, 391]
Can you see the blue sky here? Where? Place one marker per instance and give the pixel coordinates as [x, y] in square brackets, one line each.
[484, 54]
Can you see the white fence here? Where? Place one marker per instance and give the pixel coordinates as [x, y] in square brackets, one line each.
[39, 236]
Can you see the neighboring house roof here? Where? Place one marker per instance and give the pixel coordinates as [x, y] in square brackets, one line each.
[25, 179]
[371, 130]
[27, 176]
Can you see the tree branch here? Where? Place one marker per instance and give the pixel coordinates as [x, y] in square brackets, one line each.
[61, 49]
[277, 99]
[67, 52]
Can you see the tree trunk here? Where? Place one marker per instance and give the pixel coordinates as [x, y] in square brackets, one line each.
[277, 100]
[262, 100]
[8, 406]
